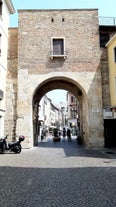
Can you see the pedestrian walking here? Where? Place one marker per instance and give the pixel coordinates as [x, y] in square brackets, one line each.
[64, 132]
[43, 134]
[68, 134]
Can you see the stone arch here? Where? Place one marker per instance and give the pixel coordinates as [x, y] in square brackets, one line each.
[59, 82]
[68, 84]
[36, 86]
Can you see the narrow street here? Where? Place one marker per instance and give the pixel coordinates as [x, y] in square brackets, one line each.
[58, 174]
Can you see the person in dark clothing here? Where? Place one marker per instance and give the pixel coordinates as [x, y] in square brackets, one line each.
[68, 135]
[43, 134]
[64, 132]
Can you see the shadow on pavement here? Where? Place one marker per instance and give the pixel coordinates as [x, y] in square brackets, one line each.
[73, 149]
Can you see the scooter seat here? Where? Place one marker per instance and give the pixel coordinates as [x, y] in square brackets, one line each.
[12, 143]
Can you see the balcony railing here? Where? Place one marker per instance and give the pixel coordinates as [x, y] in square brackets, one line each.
[107, 21]
[58, 54]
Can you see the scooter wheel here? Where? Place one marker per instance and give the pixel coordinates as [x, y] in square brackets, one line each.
[1, 151]
[18, 149]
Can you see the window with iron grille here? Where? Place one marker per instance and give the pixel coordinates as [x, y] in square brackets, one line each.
[58, 47]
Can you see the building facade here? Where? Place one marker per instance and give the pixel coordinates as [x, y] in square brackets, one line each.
[110, 110]
[47, 56]
[49, 114]
[72, 111]
[6, 8]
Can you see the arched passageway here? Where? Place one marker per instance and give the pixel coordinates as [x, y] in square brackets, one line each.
[65, 84]
[91, 120]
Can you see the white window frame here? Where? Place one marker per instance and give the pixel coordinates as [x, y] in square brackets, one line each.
[52, 55]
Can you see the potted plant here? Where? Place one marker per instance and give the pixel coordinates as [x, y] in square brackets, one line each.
[56, 137]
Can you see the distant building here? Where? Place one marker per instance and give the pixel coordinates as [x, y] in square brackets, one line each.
[62, 105]
[49, 114]
[72, 110]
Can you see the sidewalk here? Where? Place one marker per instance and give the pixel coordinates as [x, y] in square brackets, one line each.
[58, 174]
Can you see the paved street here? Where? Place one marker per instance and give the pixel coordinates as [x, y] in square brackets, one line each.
[61, 174]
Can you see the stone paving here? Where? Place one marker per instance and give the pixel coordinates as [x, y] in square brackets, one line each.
[61, 174]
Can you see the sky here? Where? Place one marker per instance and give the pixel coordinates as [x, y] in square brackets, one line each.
[106, 8]
[57, 96]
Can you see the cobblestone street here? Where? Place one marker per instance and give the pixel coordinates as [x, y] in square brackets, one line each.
[61, 174]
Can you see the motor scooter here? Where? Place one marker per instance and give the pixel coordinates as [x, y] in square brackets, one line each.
[11, 146]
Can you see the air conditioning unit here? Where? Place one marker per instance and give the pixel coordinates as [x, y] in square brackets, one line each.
[108, 113]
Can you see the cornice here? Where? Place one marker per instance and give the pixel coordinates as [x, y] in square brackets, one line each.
[10, 6]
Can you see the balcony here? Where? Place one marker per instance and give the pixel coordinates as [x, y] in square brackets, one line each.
[55, 54]
[107, 21]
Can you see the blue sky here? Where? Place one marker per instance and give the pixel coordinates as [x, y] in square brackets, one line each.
[106, 8]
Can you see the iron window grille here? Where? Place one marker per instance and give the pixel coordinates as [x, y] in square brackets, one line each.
[57, 47]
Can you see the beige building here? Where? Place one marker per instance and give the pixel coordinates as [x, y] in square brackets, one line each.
[110, 110]
[6, 8]
[111, 46]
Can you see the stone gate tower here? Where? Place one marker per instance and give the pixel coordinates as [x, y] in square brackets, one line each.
[54, 49]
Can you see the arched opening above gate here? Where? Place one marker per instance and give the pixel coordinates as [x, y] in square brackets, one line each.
[57, 83]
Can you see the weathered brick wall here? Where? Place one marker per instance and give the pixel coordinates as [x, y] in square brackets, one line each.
[105, 78]
[80, 30]
[11, 84]
[13, 43]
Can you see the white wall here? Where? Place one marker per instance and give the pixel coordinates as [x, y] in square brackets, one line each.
[4, 24]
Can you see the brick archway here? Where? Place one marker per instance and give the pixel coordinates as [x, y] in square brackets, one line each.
[58, 83]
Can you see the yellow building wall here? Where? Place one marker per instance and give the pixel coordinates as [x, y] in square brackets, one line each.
[112, 70]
